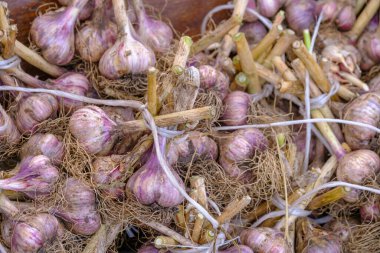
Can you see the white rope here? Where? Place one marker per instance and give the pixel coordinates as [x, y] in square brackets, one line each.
[12, 62]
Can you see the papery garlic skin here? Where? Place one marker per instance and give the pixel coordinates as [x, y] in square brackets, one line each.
[8, 130]
[356, 167]
[325, 243]
[238, 146]
[34, 233]
[126, 56]
[370, 211]
[300, 14]
[265, 240]
[236, 106]
[37, 177]
[93, 129]
[214, 80]
[79, 211]
[148, 249]
[269, 8]
[7, 226]
[151, 185]
[85, 13]
[48, 145]
[237, 249]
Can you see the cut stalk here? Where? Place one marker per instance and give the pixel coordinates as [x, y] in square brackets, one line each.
[328, 197]
[364, 18]
[182, 54]
[198, 183]
[152, 91]
[164, 242]
[284, 42]
[240, 82]
[199, 220]
[295, 86]
[247, 63]
[354, 80]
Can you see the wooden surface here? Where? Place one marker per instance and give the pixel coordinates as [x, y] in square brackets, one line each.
[185, 15]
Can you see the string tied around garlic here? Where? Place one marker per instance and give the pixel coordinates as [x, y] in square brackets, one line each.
[12, 62]
[320, 101]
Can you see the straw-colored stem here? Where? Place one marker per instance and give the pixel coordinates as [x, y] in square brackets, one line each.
[197, 229]
[152, 91]
[171, 119]
[182, 55]
[316, 72]
[328, 197]
[180, 217]
[354, 80]
[9, 49]
[164, 242]
[247, 63]
[169, 232]
[37, 61]
[284, 42]
[268, 74]
[236, 63]
[364, 18]
[98, 241]
[296, 87]
[198, 183]
[133, 157]
[270, 37]
[233, 209]
[240, 82]
[346, 94]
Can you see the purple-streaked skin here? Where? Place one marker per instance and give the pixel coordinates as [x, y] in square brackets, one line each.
[248, 17]
[236, 106]
[148, 249]
[34, 233]
[87, 10]
[364, 109]
[79, 211]
[237, 249]
[269, 8]
[126, 56]
[265, 240]
[198, 60]
[356, 167]
[214, 80]
[34, 109]
[238, 146]
[254, 32]
[54, 33]
[370, 212]
[99, 34]
[183, 148]
[8, 130]
[151, 185]
[108, 176]
[93, 129]
[324, 243]
[48, 145]
[346, 18]
[364, 44]
[7, 226]
[300, 14]
[37, 177]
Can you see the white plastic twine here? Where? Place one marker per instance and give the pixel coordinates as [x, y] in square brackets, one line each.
[230, 6]
[149, 120]
[12, 62]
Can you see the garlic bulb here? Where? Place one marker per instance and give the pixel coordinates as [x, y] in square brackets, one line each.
[240, 145]
[54, 33]
[85, 13]
[269, 8]
[370, 212]
[237, 249]
[93, 129]
[36, 177]
[214, 80]
[48, 145]
[151, 185]
[127, 55]
[264, 240]
[300, 14]
[7, 226]
[8, 130]
[35, 109]
[79, 211]
[236, 106]
[97, 35]
[254, 32]
[31, 235]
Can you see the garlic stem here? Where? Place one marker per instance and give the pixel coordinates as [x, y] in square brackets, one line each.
[364, 18]
[164, 242]
[328, 197]
[354, 80]
[152, 91]
[286, 39]
[123, 23]
[182, 55]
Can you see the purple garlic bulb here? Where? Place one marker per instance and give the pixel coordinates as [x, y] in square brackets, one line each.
[79, 210]
[370, 212]
[107, 174]
[97, 35]
[85, 13]
[323, 243]
[54, 33]
[93, 129]
[269, 8]
[183, 148]
[237, 249]
[238, 146]
[7, 226]
[254, 32]
[265, 240]
[154, 33]
[35, 109]
[34, 233]
[37, 177]
[48, 145]
[8, 130]
[236, 106]
[214, 80]
[300, 14]
[151, 185]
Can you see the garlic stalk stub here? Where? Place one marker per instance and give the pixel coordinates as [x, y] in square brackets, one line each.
[34, 233]
[93, 129]
[263, 240]
[54, 33]
[85, 13]
[48, 145]
[356, 167]
[37, 177]
[193, 144]
[35, 109]
[8, 130]
[97, 35]
[238, 146]
[214, 80]
[151, 185]
[127, 55]
[154, 33]
[79, 211]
